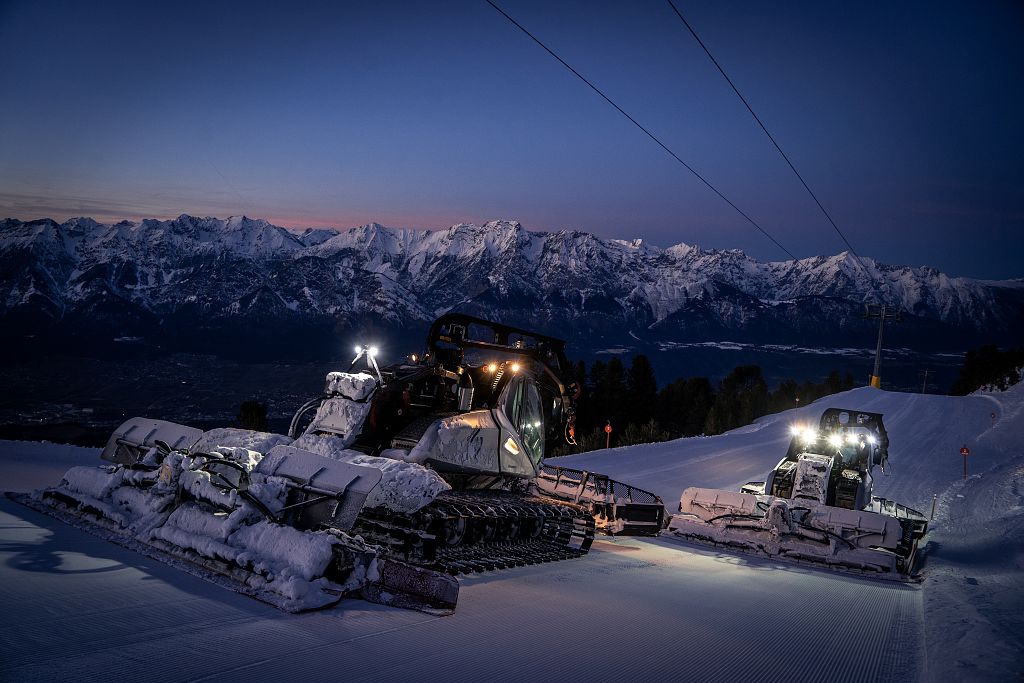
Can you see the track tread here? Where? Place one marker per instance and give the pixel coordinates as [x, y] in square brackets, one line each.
[503, 530]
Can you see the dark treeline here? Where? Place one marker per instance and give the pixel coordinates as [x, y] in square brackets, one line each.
[629, 400]
[252, 415]
[988, 367]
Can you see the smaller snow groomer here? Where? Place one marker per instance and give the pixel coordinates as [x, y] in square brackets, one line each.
[400, 480]
[816, 506]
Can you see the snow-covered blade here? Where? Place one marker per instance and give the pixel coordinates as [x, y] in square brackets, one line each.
[272, 526]
[802, 530]
[322, 493]
[133, 439]
[618, 508]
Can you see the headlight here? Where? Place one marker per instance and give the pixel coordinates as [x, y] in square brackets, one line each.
[835, 440]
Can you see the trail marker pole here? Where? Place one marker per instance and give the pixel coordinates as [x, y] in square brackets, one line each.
[965, 451]
[608, 434]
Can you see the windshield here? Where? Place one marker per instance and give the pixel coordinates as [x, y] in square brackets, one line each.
[526, 412]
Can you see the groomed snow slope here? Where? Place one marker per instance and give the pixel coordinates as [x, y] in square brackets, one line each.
[973, 587]
[632, 610]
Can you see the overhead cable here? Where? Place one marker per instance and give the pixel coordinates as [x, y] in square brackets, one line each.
[770, 137]
[647, 132]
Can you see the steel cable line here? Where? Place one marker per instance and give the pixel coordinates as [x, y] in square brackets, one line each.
[770, 137]
[884, 292]
[646, 132]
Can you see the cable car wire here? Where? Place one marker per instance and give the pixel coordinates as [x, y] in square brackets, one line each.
[770, 136]
[647, 132]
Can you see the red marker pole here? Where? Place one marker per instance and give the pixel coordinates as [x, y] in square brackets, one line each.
[608, 435]
[965, 451]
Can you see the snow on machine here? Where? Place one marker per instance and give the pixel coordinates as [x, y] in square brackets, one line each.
[399, 481]
[816, 506]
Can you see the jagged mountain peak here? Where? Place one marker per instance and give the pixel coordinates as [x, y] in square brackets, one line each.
[312, 237]
[236, 236]
[503, 224]
[82, 223]
[682, 251]
[499, 268]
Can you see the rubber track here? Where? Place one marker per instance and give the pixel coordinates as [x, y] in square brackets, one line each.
[560, 531]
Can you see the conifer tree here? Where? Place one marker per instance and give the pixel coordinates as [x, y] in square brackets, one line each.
[742, 398]
[641, 391]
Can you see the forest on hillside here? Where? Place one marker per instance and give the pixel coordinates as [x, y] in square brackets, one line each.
[628, 400]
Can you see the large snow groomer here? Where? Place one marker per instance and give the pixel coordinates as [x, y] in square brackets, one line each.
[387, 485]
[816, 506]
[476, 411]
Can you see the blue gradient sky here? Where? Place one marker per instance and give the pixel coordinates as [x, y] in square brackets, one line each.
[906, 119]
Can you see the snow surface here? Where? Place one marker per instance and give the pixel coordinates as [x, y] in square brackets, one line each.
[973, 588]
[634, 609]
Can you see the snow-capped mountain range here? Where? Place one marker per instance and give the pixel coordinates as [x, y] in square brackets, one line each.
[213, 284]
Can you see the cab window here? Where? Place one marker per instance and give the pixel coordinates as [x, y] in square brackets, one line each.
[531, 421]
[525, 411]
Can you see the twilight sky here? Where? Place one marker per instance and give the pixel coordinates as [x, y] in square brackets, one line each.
[905, 118]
